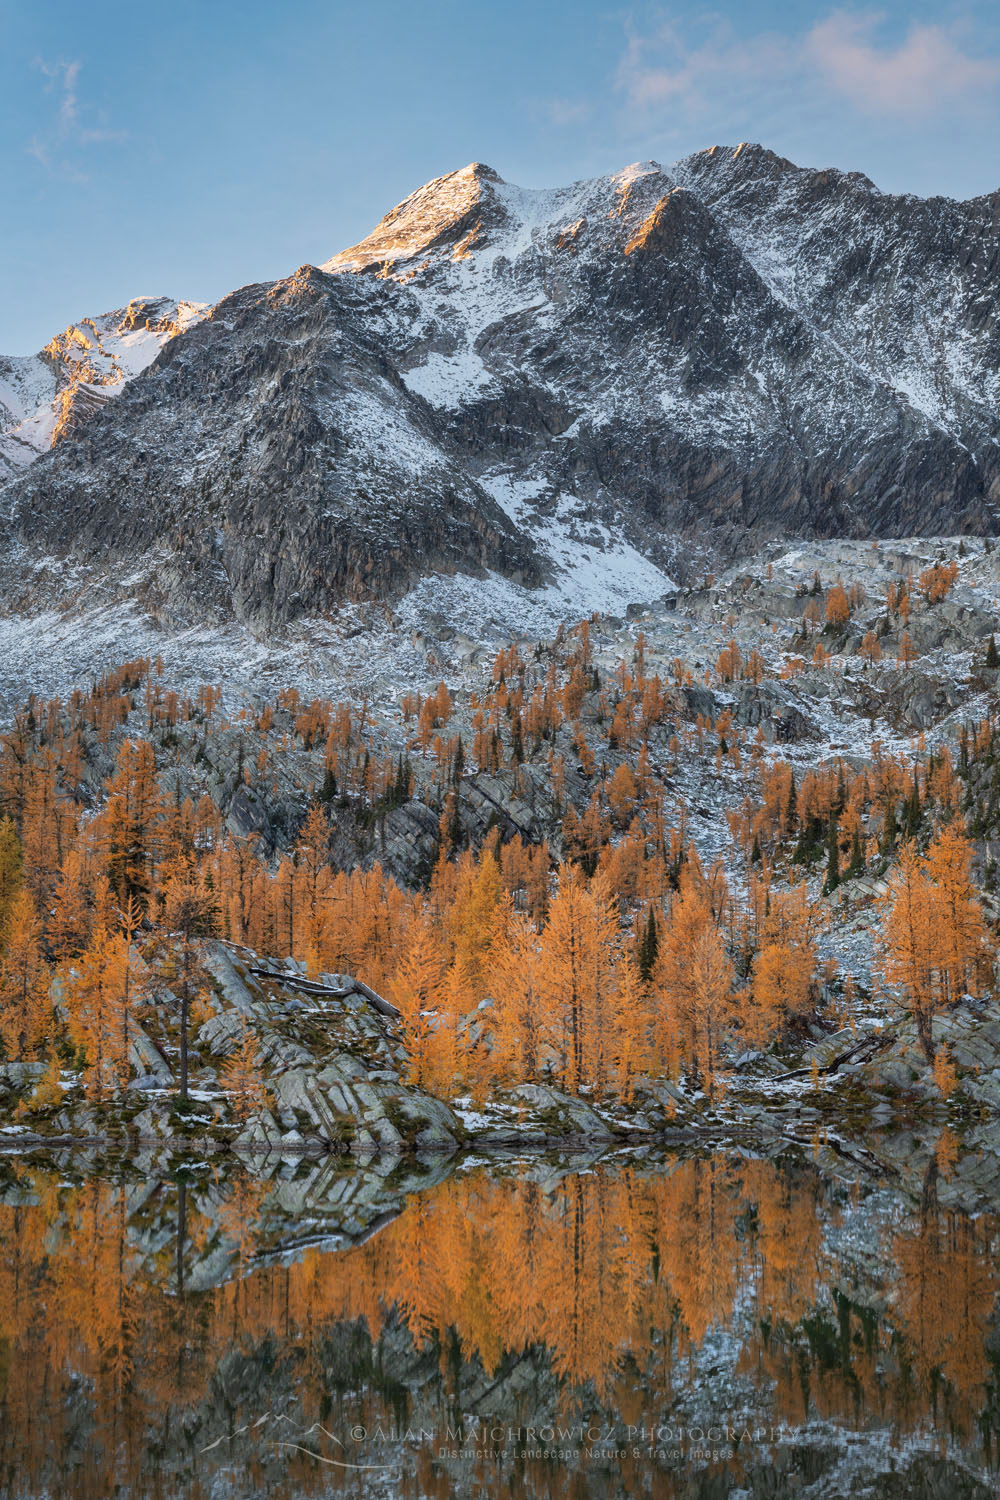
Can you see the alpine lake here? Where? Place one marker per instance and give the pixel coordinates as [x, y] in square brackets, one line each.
[692, 1322]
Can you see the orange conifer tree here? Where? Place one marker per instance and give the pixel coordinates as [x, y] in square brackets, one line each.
[417, 988]
[241, 1077]
[25, 1012]
[691, 1002]
[578, 953]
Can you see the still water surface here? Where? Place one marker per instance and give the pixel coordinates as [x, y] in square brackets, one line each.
[696, 1326]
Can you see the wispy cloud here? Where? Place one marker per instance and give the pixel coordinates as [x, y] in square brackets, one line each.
[665, 68]
[926, 72]
[73, 127]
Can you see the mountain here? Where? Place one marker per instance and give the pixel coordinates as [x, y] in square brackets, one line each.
[46, 396]
[582, 393]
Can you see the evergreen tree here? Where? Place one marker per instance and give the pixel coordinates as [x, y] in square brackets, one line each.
[793, 803]
[458, 764]
[649, 947]
[841, 799]
[890, 828]
[912, 812]
[516, 739]
[456, 832]
[401, 791]
[832, 856]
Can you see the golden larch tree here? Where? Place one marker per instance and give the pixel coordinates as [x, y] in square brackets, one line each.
[25, 1011]
[241, 1075]
[579, 948]
[934, 938]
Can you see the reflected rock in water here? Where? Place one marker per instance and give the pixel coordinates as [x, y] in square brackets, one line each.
[635, 1326]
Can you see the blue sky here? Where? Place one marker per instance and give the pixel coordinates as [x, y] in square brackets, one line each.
[192, 147]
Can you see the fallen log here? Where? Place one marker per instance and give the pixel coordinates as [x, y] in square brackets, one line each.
[872, 1042]
[313, 987]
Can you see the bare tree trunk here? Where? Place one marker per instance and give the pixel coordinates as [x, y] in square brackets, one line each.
[924, 1033]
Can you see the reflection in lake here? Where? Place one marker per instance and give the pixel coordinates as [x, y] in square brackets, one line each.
[632, 1327]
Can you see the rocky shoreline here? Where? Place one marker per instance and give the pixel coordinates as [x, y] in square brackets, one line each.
[333, 1065]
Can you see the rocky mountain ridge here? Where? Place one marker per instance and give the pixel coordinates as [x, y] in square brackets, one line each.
[586, 392]
[46, 397]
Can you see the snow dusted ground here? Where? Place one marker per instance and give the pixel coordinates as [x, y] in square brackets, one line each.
[442, 628]
[450, 628]
[598, 573]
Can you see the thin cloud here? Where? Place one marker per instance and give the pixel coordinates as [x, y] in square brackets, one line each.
[62, 76]
[926, 72]
[73, 127]
[664, 68]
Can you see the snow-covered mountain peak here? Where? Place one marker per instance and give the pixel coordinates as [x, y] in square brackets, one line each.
[474, 215]
[445, 216]
[43, 396]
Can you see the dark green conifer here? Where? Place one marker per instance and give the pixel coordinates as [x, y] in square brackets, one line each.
[832, 856]
[649, 946]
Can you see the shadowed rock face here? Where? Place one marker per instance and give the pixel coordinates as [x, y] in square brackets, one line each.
[700, 358]
[274, 460]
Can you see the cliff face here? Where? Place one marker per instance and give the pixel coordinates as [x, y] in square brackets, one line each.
[656, 367]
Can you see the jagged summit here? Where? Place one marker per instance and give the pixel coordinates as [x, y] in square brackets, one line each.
[443, 215]
[749, 163]
[46, 396]
[472, 212]
[750, 155]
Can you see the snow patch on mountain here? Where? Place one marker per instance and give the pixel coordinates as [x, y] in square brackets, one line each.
[592, 567]
[447, 380]
[377, 423]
